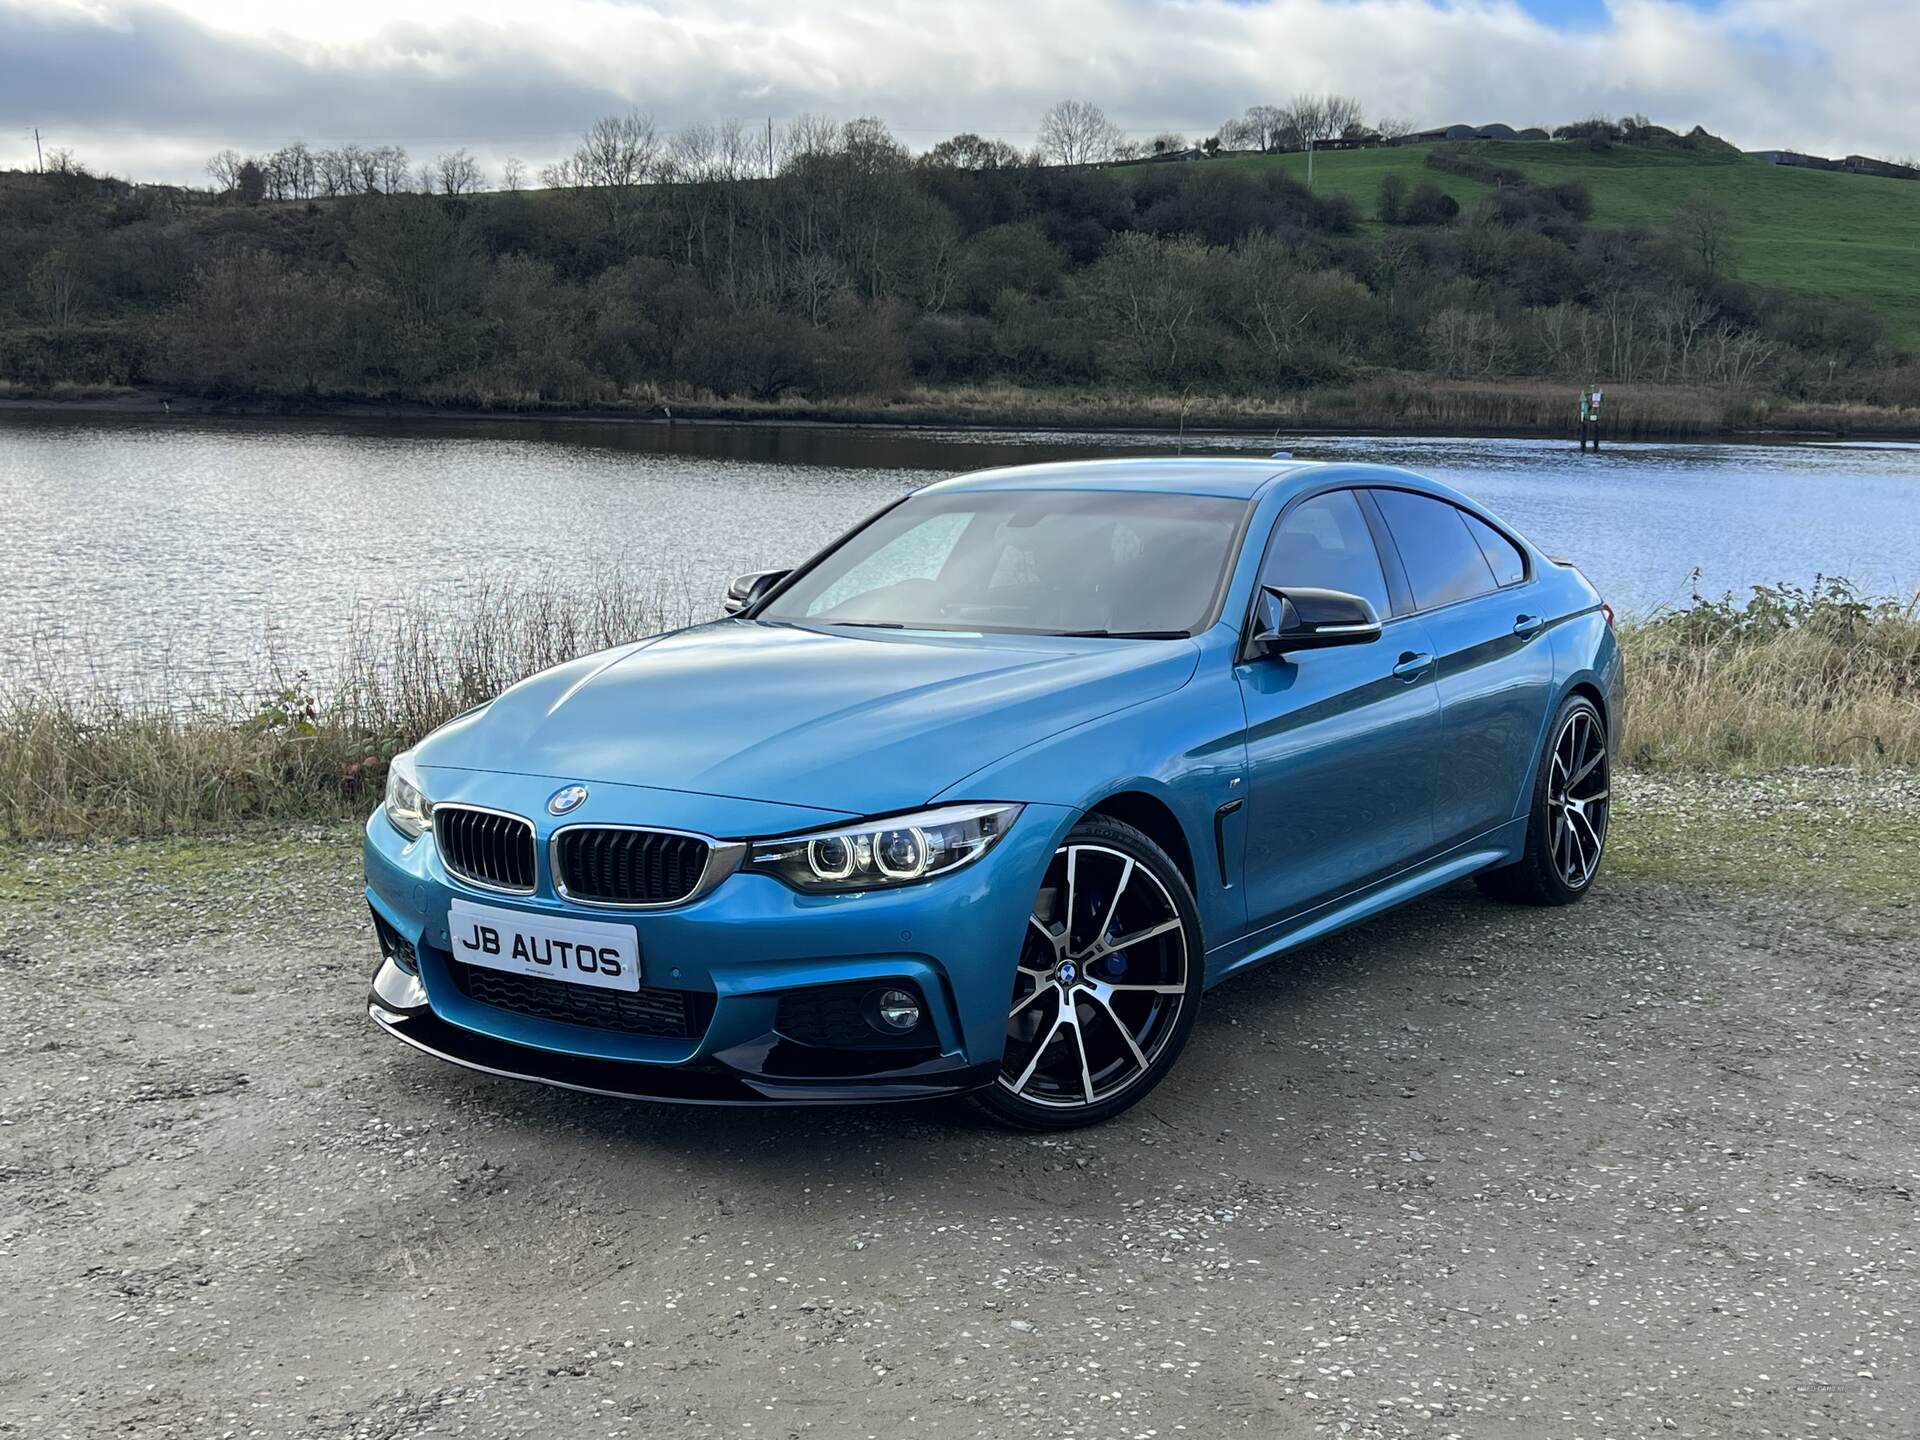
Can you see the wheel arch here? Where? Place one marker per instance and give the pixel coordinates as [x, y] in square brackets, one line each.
[1155, 819]
[1591, 689]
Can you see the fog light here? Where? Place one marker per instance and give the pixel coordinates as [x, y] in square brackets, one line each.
[899, 1010]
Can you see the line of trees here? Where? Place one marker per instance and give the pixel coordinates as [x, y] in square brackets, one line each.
[823, 259]
[298, 172]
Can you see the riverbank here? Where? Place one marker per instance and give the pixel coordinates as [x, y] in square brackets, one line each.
[1793, 677]
[1390, 406]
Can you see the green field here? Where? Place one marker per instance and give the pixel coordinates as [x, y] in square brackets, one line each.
[1854, 237]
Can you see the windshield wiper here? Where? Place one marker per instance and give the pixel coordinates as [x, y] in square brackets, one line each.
[1123, 634]
[868, 624]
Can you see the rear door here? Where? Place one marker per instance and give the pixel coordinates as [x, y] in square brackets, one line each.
[1472, 591]
[1340, 742]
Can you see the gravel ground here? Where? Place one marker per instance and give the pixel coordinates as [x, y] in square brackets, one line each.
[1645, 1166]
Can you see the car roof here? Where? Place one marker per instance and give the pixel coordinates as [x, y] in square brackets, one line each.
[1231, 476]
[1234, 477]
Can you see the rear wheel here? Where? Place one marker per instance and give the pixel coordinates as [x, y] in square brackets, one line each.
[1107, 984]
[1567, 824]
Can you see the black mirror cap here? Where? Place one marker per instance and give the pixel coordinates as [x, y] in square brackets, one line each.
[749, 590]
[1304, 618]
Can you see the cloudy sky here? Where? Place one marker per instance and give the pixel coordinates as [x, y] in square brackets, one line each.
[148, 89]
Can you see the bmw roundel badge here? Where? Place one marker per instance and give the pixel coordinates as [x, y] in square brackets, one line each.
[567, 799]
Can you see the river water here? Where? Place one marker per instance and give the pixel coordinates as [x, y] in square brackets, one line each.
[125, 541]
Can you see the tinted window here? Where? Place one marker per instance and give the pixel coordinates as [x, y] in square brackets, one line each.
[1509, 565]
[1043, 561]
[1443, 560]
[1324, 543]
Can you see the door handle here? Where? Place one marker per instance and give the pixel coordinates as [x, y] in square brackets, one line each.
[1526, 626]
[1413, 664]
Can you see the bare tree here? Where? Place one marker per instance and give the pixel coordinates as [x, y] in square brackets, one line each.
[692, 154]
[513, 174]
[1077, 132]
[1392, 127]
[1265, 123]
[1344, 116]
[1705, 225]
[458, 173]
[291, 173]
[619, 151]
[1240, 133]
[54, 286]
[224, 170]
[391, 174]
[340, 169]
[1168, 143]
[808, 137]
[1311, 118]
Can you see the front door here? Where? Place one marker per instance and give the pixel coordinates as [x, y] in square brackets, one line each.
[1340, 742]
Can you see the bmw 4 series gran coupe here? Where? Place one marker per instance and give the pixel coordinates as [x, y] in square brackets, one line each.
[982, 798]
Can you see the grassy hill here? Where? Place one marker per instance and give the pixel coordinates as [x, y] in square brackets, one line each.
[1849, 237]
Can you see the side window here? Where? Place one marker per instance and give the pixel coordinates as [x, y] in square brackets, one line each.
[1324, 543]
[1443, 560]
[1509, 565]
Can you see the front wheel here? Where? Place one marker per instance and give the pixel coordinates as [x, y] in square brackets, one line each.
[1567, 824]
[1107, 984]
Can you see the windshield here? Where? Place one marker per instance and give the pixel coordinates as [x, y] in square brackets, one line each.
[1055, 562]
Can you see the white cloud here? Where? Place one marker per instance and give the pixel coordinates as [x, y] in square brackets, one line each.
[148, 87]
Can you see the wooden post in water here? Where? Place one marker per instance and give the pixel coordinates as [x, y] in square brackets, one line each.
[1590, 417]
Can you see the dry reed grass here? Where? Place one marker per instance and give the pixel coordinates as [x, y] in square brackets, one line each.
[1791, 677]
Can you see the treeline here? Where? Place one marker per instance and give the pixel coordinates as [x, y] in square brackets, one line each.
[824, 260]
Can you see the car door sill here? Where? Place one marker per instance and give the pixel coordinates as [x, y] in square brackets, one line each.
[1456, 864]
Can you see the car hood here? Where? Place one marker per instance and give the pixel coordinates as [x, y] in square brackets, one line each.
[857, 721]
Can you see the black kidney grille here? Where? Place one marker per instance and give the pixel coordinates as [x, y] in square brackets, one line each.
[488, 849]
[628, 867]
[669, 1014]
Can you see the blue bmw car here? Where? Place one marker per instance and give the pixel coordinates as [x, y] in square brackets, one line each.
[986, 795]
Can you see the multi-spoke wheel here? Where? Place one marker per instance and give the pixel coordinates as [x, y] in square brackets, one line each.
[1567, 826]
[1107, 982]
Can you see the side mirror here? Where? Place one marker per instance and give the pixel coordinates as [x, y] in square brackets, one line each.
[1306, 619]
[747, 590]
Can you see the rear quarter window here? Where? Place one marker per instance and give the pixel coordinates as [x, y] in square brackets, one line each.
[1508, 561]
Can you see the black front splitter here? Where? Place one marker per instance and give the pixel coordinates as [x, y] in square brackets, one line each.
[705, 1082]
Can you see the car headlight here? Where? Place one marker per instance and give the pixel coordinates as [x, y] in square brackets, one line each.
[407, 805]
[876, 854]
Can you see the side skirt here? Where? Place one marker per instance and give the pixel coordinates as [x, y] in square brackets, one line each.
[1496, 847]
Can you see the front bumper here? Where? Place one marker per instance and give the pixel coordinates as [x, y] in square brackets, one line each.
[728, 960]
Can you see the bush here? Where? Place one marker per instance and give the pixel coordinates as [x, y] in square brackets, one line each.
[1429, 205]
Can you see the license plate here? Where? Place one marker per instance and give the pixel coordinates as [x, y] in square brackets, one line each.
[581, 952]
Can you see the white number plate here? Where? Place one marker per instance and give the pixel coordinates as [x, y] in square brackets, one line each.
[583, 952]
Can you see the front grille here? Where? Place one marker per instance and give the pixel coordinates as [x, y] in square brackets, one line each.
[607, 866]
[669, 1014]
[487, 848]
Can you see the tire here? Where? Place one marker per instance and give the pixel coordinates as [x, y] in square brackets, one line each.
[1568, 820]
[1132, 1004]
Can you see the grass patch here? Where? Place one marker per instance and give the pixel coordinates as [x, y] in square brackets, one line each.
[1790, 677]
[1790, 831]
[1819, 232]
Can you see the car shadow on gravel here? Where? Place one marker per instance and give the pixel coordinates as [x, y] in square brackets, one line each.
[1386, 980]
